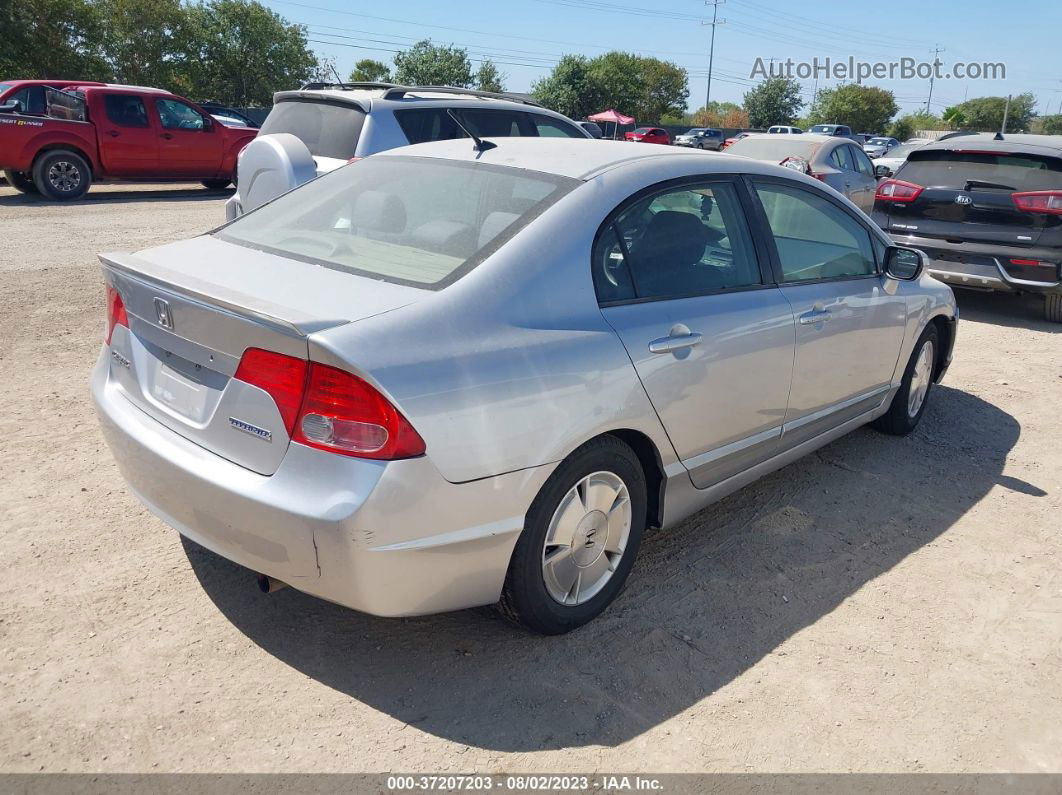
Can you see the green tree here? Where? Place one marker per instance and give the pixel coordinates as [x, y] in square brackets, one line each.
[51, 39]
[986, 113]
[145, 42]
[571, 88]
[954, 117]
[1051, 125]
[241, 52]
[775, 100]
[863, 108]
[488, 78]
[427, 64]
[369, 71]
[908, 126]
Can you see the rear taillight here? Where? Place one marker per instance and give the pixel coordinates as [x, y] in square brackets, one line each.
[330, 409]
[896, 190]
[1039, 201]
[344, 414]
[283, 377]
[116, 315]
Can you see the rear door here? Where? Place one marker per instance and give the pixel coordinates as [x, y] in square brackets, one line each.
[190, 144]
[128, 141]
[865, 182]
[849, 323]
[679, 277]
[967, 196]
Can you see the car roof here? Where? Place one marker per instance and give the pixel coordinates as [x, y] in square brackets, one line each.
[48, 83]
[1013, 142]
[576, 158]
[813, 137]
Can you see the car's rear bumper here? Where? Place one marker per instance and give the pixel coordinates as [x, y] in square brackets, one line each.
[388, 538]
[980, 266]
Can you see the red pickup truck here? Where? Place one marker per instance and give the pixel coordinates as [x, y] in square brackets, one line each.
[86, 133]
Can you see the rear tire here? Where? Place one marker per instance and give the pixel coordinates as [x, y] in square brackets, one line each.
[216, 184]
[594, 507]
[909, 402]
[1053, 307]
[62, 175]
[20, 181]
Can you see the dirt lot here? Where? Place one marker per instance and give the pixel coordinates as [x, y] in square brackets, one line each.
[883, 605]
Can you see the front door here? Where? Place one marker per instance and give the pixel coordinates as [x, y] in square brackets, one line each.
[849, 318]
[679, 278]
[190, 144]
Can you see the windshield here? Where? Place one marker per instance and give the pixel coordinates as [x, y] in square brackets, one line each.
[696, 131]
[643, 130]
[903, 150]
[823, 128]
[4, 87]
[950, 168]
[774, 149]
[328, 129]
[423, 222]
[879, 141]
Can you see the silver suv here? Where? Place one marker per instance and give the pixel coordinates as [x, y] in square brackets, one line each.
[341, 121]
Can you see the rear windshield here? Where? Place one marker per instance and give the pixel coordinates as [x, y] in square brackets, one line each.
[1001, 171]
[328, 129]
[422, 222]
[773, 149]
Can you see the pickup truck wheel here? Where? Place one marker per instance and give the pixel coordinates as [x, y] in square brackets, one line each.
[20, 181]
[216, 184]
[62, 175]
[1052, 306]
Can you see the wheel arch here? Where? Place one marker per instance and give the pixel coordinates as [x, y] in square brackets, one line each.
[945, 332]
[652, 467]
[62, 146]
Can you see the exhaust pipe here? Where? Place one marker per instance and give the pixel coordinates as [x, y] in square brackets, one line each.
[267, 584]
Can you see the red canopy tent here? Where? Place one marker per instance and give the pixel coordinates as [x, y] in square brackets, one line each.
[612, 115]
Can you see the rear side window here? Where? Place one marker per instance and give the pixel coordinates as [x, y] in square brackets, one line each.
[125, 110]
[435, 124]
[815, 239]
[422, 222]
[328, 129]
[1002, 171]
[548, 127]
[842, 158]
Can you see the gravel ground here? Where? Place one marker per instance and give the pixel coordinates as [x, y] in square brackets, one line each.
[882, 605]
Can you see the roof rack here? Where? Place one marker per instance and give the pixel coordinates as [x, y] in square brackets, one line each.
[397, 92]
[344, 86]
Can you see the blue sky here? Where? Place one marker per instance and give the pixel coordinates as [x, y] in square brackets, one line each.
[526, 37]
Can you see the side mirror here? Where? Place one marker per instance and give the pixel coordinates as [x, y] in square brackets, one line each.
[12, 106]
[905, 264]
[882, 171]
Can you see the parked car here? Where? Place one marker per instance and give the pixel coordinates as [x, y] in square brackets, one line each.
[30, 93]
[338, 121]
[837, 130]
[448, 375]
[593, 128]
[701, 138]
[879, 146]
[836, 161]
[987, 212]
[740, 136]
[649, 135]
[887, 165]
[219, 111]
[782, 129]
[91, 133]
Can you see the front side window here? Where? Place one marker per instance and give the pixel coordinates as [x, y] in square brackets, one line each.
[176, 115]
[422, 222]
[685, 241]
[125, 110]
[814, 238]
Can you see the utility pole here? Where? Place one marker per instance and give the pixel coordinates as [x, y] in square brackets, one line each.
[937, 50]
[1006, 112]
[711, 47]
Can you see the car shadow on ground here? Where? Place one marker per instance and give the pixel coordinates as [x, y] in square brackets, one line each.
[119, 196]
[1004, 309]
[706, 601]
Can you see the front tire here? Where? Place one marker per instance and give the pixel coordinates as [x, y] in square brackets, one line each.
[216, 184]
[909, 402]
[580, 539]
[62, 175]
[20, 181]
[1053, 307]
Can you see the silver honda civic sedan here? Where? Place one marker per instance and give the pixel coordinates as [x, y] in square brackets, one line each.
[451, 375]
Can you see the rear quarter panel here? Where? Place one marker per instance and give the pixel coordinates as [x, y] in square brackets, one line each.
[23, 137]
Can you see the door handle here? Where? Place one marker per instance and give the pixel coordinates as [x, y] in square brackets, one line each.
[814, 316]
[675, 343]
[167, 136]
[112, 133]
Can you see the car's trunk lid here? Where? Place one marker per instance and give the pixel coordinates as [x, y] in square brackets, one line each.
[194, 307]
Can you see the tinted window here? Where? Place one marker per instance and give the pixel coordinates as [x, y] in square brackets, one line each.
[1010, 171]
[815, 239]
[176, 115]
[687, 241]
[409, 220]
[435, 124]
[548, 127]
[327, 129]
[125, 110]
[32, 99]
